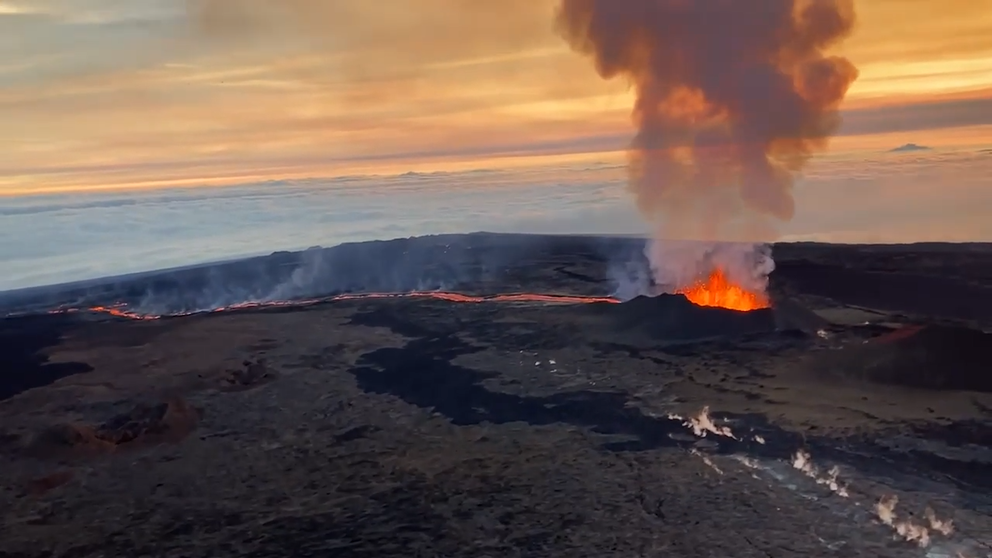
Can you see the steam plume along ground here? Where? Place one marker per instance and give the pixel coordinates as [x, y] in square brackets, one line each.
[733, 97]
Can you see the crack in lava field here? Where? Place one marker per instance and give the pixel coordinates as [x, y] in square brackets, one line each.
[123, 310]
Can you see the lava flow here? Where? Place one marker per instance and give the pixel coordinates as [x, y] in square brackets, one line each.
[719, 292]
[458, 297]
[121, 310]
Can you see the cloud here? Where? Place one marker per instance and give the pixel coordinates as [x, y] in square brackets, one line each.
[57, 238]
[58, 43]
[268, 145]
[924, 116]
[938, 195]
[114, 93]
[388, 36]
[134, 231]
[894, 31]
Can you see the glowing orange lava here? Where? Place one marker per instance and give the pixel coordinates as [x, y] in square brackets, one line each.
[121, 310]
[718, 291]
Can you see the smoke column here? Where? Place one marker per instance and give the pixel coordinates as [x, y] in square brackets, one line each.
[733, 98]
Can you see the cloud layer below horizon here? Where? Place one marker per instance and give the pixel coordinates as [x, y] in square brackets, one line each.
[142, 93]
[917, 196]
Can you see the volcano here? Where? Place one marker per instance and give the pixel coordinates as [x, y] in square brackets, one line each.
[501, 396]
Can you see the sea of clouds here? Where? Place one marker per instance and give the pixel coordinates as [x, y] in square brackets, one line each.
[68, 237]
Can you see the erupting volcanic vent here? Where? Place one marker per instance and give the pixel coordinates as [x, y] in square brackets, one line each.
[719, 292]
[733, 97]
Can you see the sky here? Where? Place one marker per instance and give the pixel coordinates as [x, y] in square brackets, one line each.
[98, 94]
[122, 119]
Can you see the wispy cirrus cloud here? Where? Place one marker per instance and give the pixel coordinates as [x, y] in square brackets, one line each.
[115, 93]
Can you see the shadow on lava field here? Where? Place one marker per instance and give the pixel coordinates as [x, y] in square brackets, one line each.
[24, 363]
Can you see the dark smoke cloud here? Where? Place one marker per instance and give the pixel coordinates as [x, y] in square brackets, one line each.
[733, 96]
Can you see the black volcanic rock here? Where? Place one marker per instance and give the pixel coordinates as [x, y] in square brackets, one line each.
[931, 357]
[169, 421]
[24, 362]
[674, 318]
[251, 374]
[792, 316]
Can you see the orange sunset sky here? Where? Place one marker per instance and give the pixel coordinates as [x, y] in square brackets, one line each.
[99, 94]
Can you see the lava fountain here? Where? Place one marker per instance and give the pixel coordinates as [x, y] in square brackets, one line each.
[718, 291]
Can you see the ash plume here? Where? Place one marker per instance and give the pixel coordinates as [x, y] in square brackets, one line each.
[733, 98]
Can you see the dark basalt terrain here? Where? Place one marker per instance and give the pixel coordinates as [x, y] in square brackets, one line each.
[375, 427]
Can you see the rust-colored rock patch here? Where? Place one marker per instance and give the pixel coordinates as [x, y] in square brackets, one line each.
[144, 425]
[932, 357]
[42, 485]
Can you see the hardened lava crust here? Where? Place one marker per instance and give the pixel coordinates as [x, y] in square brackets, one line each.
[851, 419]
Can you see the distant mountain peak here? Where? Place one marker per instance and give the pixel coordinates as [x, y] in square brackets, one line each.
[910, 147]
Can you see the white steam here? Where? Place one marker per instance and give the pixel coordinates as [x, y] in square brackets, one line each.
[675, 264]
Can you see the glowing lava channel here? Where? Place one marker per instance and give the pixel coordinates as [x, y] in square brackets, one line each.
[717, 291]
[121, 309]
